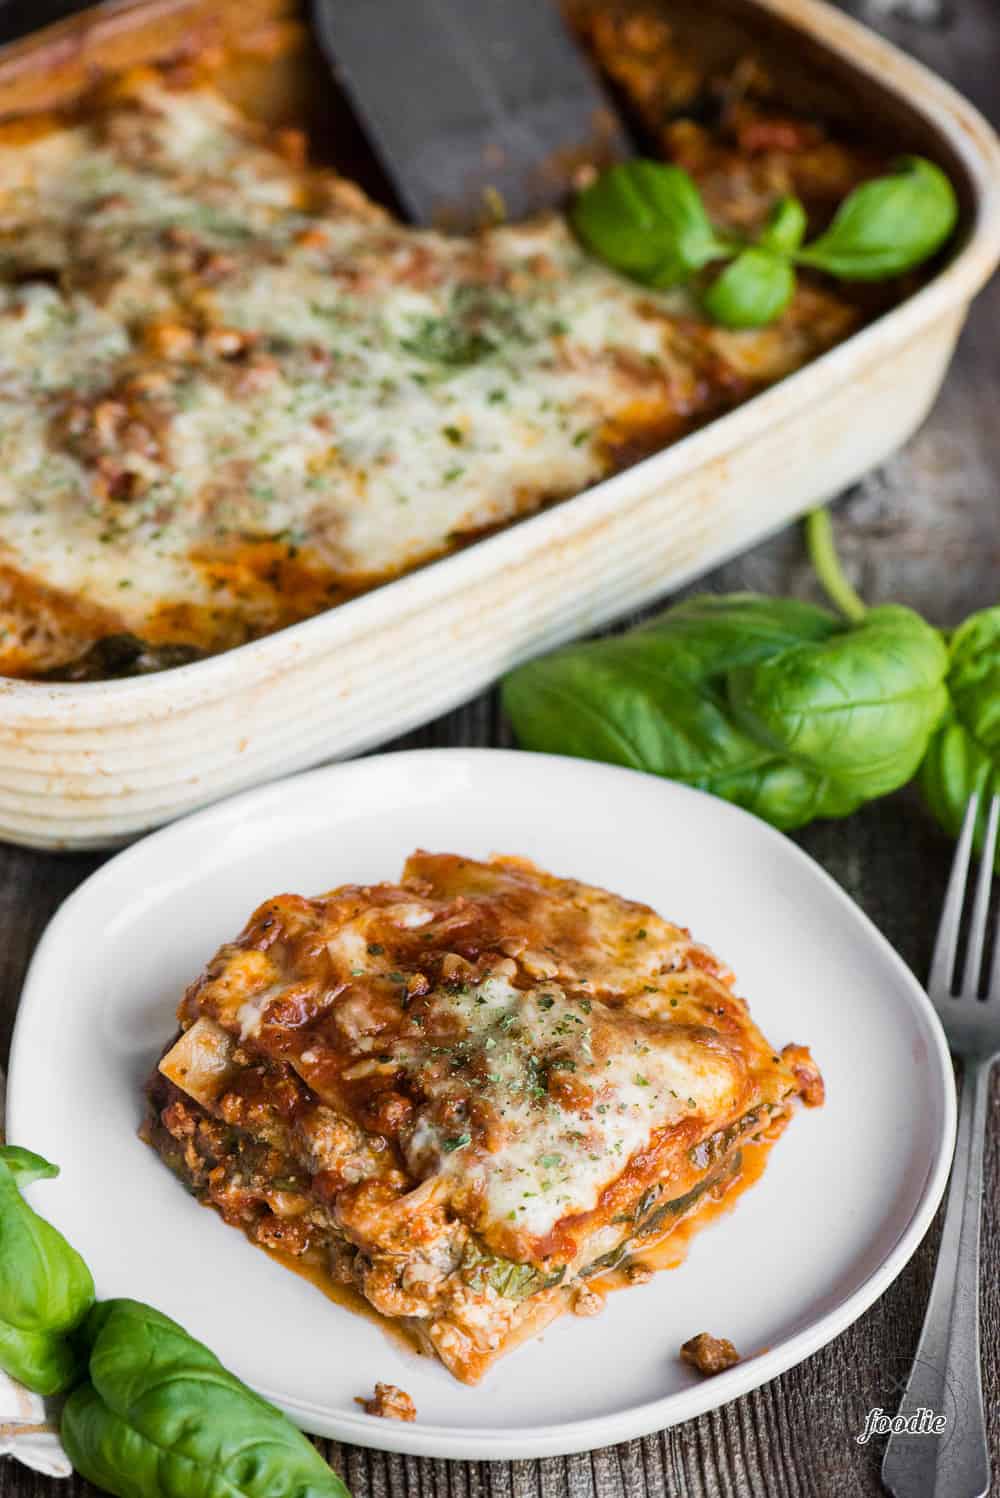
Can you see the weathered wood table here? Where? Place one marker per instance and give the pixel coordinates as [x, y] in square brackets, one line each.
[924, 530]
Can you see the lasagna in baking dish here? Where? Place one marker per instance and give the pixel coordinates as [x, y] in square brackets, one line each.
[235, 392]
[472, 1095]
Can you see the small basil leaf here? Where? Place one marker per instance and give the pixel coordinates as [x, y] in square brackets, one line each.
[785, 228]
[25, 1166]
[45, 1362]
[974, 677]
[888, 225]
[955, 766]
[751, 291]
[44, 1284]
[754, 289]
[964, 755]
[162, 1418]
[646, 219]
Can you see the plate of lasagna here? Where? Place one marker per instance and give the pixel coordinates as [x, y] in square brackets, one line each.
[544, 1082]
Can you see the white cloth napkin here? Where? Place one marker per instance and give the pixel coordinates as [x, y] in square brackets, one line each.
[29, 1425]
[29, 1429]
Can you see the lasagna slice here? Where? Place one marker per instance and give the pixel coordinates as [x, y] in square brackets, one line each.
[471, 1095]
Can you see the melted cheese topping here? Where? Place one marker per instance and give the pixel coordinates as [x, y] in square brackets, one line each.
[233, 393]
[549, 1154]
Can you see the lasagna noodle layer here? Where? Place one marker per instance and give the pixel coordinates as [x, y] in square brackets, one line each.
[465, 1091]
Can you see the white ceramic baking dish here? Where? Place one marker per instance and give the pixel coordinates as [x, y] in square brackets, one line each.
[84, 766]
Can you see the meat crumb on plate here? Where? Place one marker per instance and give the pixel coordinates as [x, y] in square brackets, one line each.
[709, 1354]
[389, 1402]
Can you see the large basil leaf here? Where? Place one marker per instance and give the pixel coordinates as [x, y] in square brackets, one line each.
[888, 225]
[45, 1287]
[44, 1284]
[964, 755]
[647, 220]
[861, 704]
[162, 1418]
[770, 703]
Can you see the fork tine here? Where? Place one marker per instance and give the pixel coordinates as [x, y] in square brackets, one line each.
[993, 987]
[981, 907]
[946, 946]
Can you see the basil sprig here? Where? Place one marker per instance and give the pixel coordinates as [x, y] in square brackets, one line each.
[779, 706]
[773, 704]
[152, 1413]
[647, 219]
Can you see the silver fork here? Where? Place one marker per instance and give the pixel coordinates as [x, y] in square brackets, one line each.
[945, 1377]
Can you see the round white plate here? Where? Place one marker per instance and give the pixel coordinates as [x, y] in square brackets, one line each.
[864, 1173]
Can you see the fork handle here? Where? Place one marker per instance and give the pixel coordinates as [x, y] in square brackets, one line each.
[945, 1376]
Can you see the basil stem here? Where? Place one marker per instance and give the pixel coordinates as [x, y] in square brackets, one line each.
[826, 564]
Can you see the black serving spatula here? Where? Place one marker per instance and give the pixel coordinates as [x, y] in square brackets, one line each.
[476, 108]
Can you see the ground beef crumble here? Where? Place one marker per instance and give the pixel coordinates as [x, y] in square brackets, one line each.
[709, 1354]
[389, 1402]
